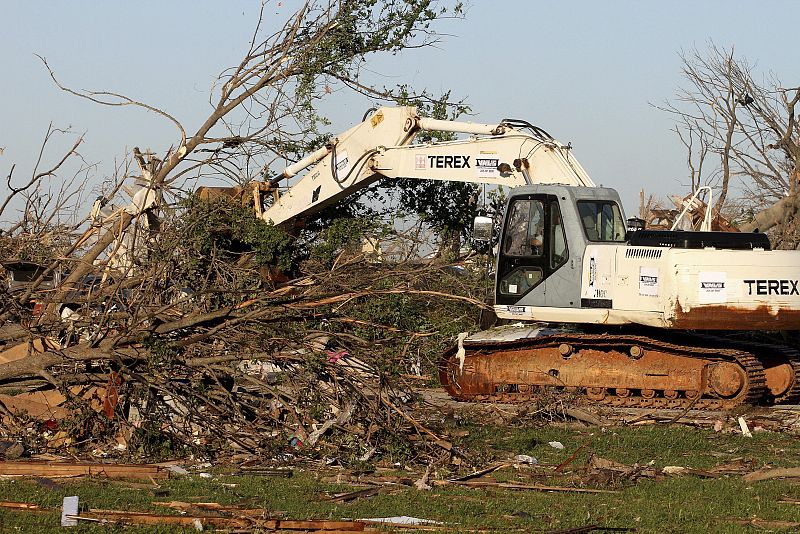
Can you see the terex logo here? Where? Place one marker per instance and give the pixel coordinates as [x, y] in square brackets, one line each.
[772, 287]
[449, 162]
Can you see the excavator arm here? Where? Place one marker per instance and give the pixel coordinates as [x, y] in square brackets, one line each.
[511, 153]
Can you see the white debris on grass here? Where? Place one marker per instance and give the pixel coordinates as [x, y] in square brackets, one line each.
[525, 459]
[745, 430]
[69, 509]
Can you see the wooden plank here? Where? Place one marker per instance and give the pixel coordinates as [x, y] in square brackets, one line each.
[213, 506]
[147, 518]
[479, 473]
[35, 409]
[66, 469]
[17, 352]
[144, 518]
[766, 474]
[19, 505]
[353, 495]
[532, 487]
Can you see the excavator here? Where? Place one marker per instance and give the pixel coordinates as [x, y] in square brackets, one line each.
[647, 318]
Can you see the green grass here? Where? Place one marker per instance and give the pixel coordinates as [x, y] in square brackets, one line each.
[669, 504]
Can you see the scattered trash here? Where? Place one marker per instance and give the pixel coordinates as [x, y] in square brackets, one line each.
[367, 455]
[335, 356]
[462, 353]
[525, 459]
[608, 471]
[178, 470]
[556, 445]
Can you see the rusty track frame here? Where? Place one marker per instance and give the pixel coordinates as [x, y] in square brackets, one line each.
[604, 369]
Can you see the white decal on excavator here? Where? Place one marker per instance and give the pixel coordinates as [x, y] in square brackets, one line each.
[487, 166]
[648, 281]
[342, 165]
[711, 287]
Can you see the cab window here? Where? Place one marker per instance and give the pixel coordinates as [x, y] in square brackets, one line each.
[520, 280]
[525, 230]
[558, 238]
[601, 220]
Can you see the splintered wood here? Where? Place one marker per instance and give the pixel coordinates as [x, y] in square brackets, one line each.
[219, 521]
[71, 469]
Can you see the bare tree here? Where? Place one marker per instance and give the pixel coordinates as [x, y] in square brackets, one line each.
[741, 135]
[199, 301]
[262, 108]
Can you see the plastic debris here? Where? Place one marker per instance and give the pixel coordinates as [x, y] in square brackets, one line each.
[556, 445]
[745, 430]
[402, 520]
[525, 459]
[462, 353]
[178, 470]
[69, 509]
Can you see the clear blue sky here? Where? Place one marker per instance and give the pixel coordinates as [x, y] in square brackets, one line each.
[585, 71]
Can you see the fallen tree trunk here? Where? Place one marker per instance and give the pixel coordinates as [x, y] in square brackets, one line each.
[773, 215]
[39, 362]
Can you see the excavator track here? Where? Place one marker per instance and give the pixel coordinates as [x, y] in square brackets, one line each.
[781, 365]
[614, 370]
[792, 395]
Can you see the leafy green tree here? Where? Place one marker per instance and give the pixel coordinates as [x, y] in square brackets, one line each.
[263, 110]
[447, 207]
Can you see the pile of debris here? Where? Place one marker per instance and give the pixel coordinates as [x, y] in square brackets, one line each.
[278, 374]
[183, 338]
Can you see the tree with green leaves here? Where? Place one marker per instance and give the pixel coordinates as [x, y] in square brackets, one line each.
[448, 208]
[264, 108]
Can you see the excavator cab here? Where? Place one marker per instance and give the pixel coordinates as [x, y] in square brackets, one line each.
[545, 233]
